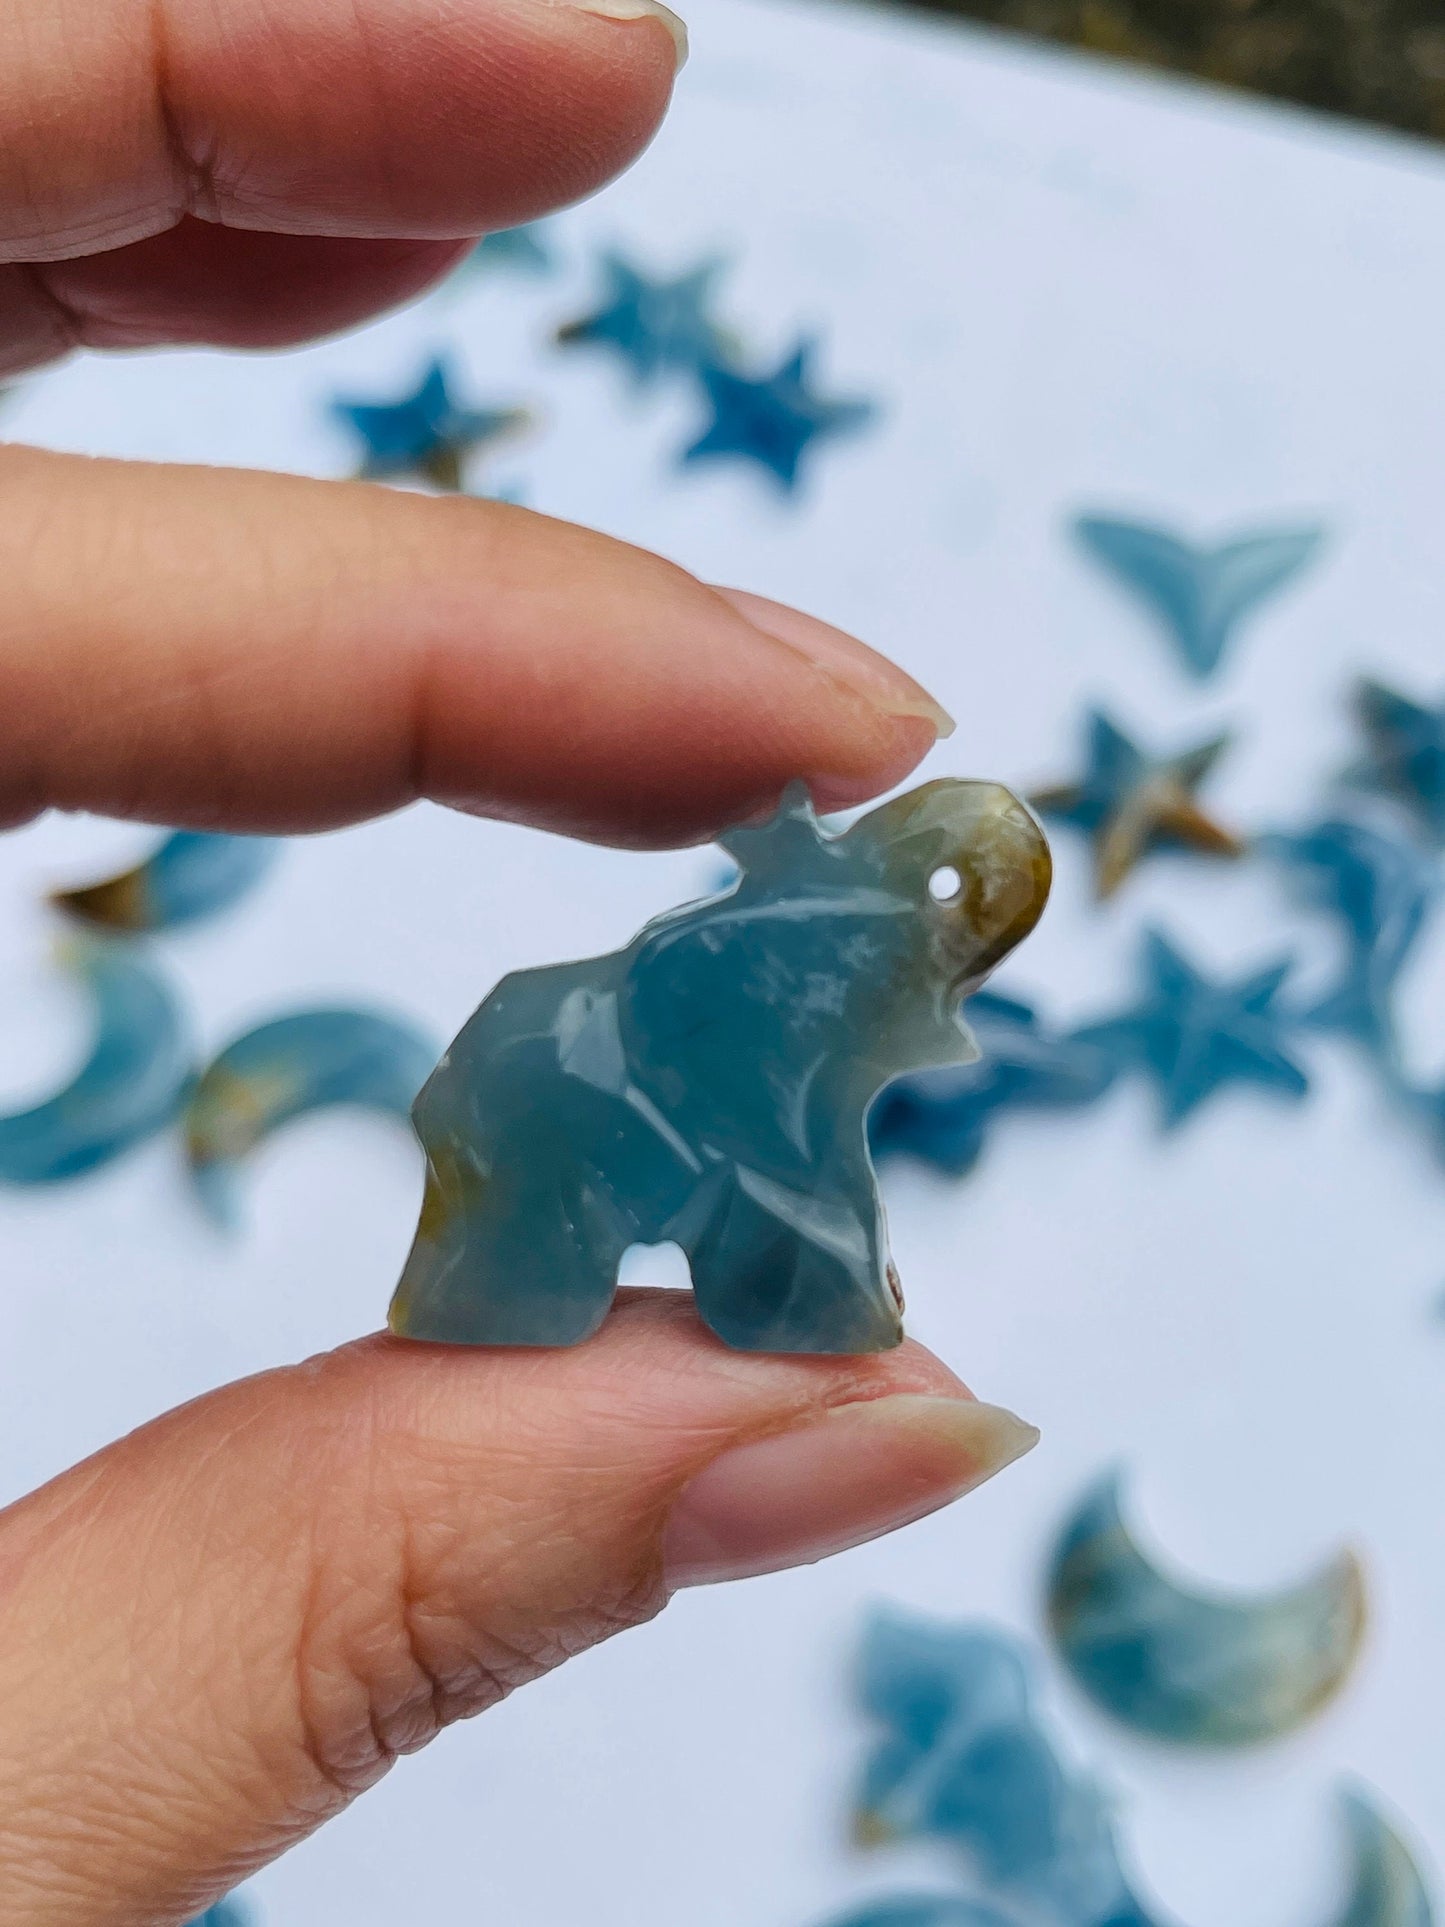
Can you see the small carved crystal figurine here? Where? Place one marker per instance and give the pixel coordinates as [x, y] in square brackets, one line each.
[708, 1085]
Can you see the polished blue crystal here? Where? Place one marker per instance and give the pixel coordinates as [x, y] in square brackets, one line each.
[1406, 754]
[1188, 1665]
[772, 420]
[191, 875]
[306, 1061]
[1193, 1036]
[942, 1117]
[428, 433]
[964, 1756]
[708, 1085]
[654, 327]
[1201, 594]
[132, 1082]
[1129, 802]
[1379, 886]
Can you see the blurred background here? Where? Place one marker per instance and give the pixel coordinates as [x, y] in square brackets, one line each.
[1120, 396]
[1375, 60]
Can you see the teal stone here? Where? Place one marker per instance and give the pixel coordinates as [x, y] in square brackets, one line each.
[518, 250]
[132, 1083]
[308, 1060]
[1406, 754]
[709, 1085]
[1380, 887]
[1130, 802]
[1193, 1036]
[653, 327]
[192, 874]
[1387, 1888]
[943, 1118]
[966, 1756]
[428, 433]
[1188, 1665]
[774, 419]
[1200, 593]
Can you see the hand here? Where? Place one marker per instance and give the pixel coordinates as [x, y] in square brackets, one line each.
[217, 1632]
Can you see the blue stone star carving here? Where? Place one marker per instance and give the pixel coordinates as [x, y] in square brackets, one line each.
[943, 1117]
[772, 420]
[428, 434]
[656, 328]
[1380, 888]
[1406, 754]
[1194, 1036]
[1130, 802]
[1201, 594]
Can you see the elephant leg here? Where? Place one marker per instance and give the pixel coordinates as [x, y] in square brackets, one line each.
[778, 1270]
[525, 1253]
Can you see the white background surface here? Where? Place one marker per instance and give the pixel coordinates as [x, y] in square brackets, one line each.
[1072, 288]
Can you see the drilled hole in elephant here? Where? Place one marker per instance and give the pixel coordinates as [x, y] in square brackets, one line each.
[661, 1266]
[945, 883]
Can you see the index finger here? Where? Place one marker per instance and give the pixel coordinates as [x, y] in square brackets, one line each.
[232, 649]
[406, 119]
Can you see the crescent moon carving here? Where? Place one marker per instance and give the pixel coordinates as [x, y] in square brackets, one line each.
[967, 1757]
[1188, 1665]
[307, 1061]
[131, 1084]
[1387, 1888]
[192, 874]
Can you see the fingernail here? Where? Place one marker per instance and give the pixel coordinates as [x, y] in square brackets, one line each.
[866, 673]
[642, 10]
[865, 1469]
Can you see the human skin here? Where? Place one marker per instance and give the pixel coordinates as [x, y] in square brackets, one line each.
[220, 1630]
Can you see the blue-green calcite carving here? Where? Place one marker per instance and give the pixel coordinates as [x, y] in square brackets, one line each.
[967, 1756]
[1189, 1666]
[133, 1080]
[1387, 1888]
[191, 875]
[1201, 593]
[308, 1060]
[708, 1085]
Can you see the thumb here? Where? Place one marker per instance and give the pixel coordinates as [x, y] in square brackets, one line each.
[216, 1633]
